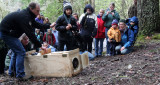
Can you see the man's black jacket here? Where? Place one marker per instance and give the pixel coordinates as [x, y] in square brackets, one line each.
[16, 23]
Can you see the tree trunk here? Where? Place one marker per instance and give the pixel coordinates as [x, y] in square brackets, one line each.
[93, 4]
[148, 15]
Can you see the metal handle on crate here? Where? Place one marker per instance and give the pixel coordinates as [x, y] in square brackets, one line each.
[64, 55]
[45, 56]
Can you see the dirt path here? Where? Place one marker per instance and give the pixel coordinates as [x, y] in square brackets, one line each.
[141, 67]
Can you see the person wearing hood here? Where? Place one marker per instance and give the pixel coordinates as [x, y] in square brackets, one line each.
[100, 35]
[88, 31]
[127, 38]
[134, 25]
[108, 17]
[65, 24]
[13, 26]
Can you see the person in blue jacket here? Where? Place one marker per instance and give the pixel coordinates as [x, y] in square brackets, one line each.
[127, 38]
[134, 25]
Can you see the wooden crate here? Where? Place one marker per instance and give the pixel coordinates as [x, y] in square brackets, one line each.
[56, 64]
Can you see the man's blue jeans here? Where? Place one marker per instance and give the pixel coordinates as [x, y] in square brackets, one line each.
[17, 60]
[108, 44]
[98, 49]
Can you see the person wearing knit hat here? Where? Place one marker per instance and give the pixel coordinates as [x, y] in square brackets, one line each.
[114, 36]
[66, 5]
[65, 24]
[127, 39]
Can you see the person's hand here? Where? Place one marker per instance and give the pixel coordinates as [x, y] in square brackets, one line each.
[122, 48]
[108, 12]
[67, 28]
[112, 13]
[70, 25]
[52, 25]
[44, 49]
[109, 40]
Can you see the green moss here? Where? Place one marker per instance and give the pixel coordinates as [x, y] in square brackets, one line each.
[153, 50]
[156, 36]
[141, 38]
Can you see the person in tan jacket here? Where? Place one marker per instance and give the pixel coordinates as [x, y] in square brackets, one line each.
[114, 37]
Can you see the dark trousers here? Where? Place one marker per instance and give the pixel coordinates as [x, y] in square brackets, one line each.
[3, 53]
[62, 43]
[87, 43]
[112, 48]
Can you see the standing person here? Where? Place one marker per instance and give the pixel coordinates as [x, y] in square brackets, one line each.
[88, 21]
[55, 32]
[13, 26]
[76, 33]
[127, 39]
[114, 37]
[49, 37]
[65, 24]
[3, 52]
[75, 15]
[39, 35]
[100, 35]
[46, 21]
[108, 17]
[132, 11]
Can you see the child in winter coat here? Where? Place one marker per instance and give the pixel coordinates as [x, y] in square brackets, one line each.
[114, 36]
[100, 34]
[65, 24]
[134, 25]
[89, 26]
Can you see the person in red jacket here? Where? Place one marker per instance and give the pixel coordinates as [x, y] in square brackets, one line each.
[49, 37]
[100, 34]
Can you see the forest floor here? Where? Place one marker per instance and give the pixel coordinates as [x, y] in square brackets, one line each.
[141, 67]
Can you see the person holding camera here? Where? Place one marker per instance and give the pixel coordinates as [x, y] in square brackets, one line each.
[88, 30]
[114, 35]
[108, 17]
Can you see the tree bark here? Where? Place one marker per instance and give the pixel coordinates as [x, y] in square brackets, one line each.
[148, 15]
[93, 4]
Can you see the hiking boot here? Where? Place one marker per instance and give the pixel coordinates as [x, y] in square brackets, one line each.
[25, 78]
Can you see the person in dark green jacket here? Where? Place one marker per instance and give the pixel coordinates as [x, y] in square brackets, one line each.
[109, 15]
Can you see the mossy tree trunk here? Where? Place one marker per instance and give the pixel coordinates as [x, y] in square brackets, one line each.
[148, 15]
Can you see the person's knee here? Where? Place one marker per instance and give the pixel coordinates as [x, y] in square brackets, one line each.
[124, 52]
[117, 48]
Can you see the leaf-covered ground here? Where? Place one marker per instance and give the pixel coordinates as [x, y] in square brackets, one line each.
[141, 67]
